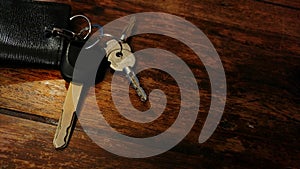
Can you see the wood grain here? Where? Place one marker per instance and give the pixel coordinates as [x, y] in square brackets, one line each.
[258, 43]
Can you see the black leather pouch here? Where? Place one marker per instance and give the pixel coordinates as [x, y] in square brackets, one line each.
[22, 32]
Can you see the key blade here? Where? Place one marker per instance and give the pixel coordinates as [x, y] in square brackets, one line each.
[68, 116]
[139, 90]
[127, 31]
[135, 84]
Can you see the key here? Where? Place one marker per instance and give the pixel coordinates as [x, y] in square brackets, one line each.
[123, 60]
[75, 95]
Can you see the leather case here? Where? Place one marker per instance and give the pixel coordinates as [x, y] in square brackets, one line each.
[22, 32]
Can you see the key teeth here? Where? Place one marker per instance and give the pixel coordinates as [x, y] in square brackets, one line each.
[61, 143]
[142, 94]
[135, 84]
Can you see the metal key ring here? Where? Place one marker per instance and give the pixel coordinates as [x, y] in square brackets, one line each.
[106, 35]
[84, 29]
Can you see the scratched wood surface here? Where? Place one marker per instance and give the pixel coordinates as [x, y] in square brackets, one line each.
[258, 43]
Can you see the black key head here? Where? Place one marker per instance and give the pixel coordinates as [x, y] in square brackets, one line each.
[87, 58]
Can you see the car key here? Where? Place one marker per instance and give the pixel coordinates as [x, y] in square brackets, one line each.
[76, 92]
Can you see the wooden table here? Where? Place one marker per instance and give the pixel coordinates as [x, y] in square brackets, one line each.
[259, 46]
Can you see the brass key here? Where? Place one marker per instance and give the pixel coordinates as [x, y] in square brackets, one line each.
[124, 61]
[68, 116]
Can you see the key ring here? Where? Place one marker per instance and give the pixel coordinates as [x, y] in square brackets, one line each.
[70, 34]
[102, 35]
[89, 28]
[106, 35]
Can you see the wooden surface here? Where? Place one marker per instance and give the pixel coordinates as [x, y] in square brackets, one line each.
[258, 43]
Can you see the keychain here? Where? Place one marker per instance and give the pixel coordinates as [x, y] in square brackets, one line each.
[51, 42]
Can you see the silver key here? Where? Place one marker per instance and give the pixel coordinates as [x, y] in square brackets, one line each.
[123, 60]
[68, 116]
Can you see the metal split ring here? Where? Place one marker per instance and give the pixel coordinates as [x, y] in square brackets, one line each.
[89, 28]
